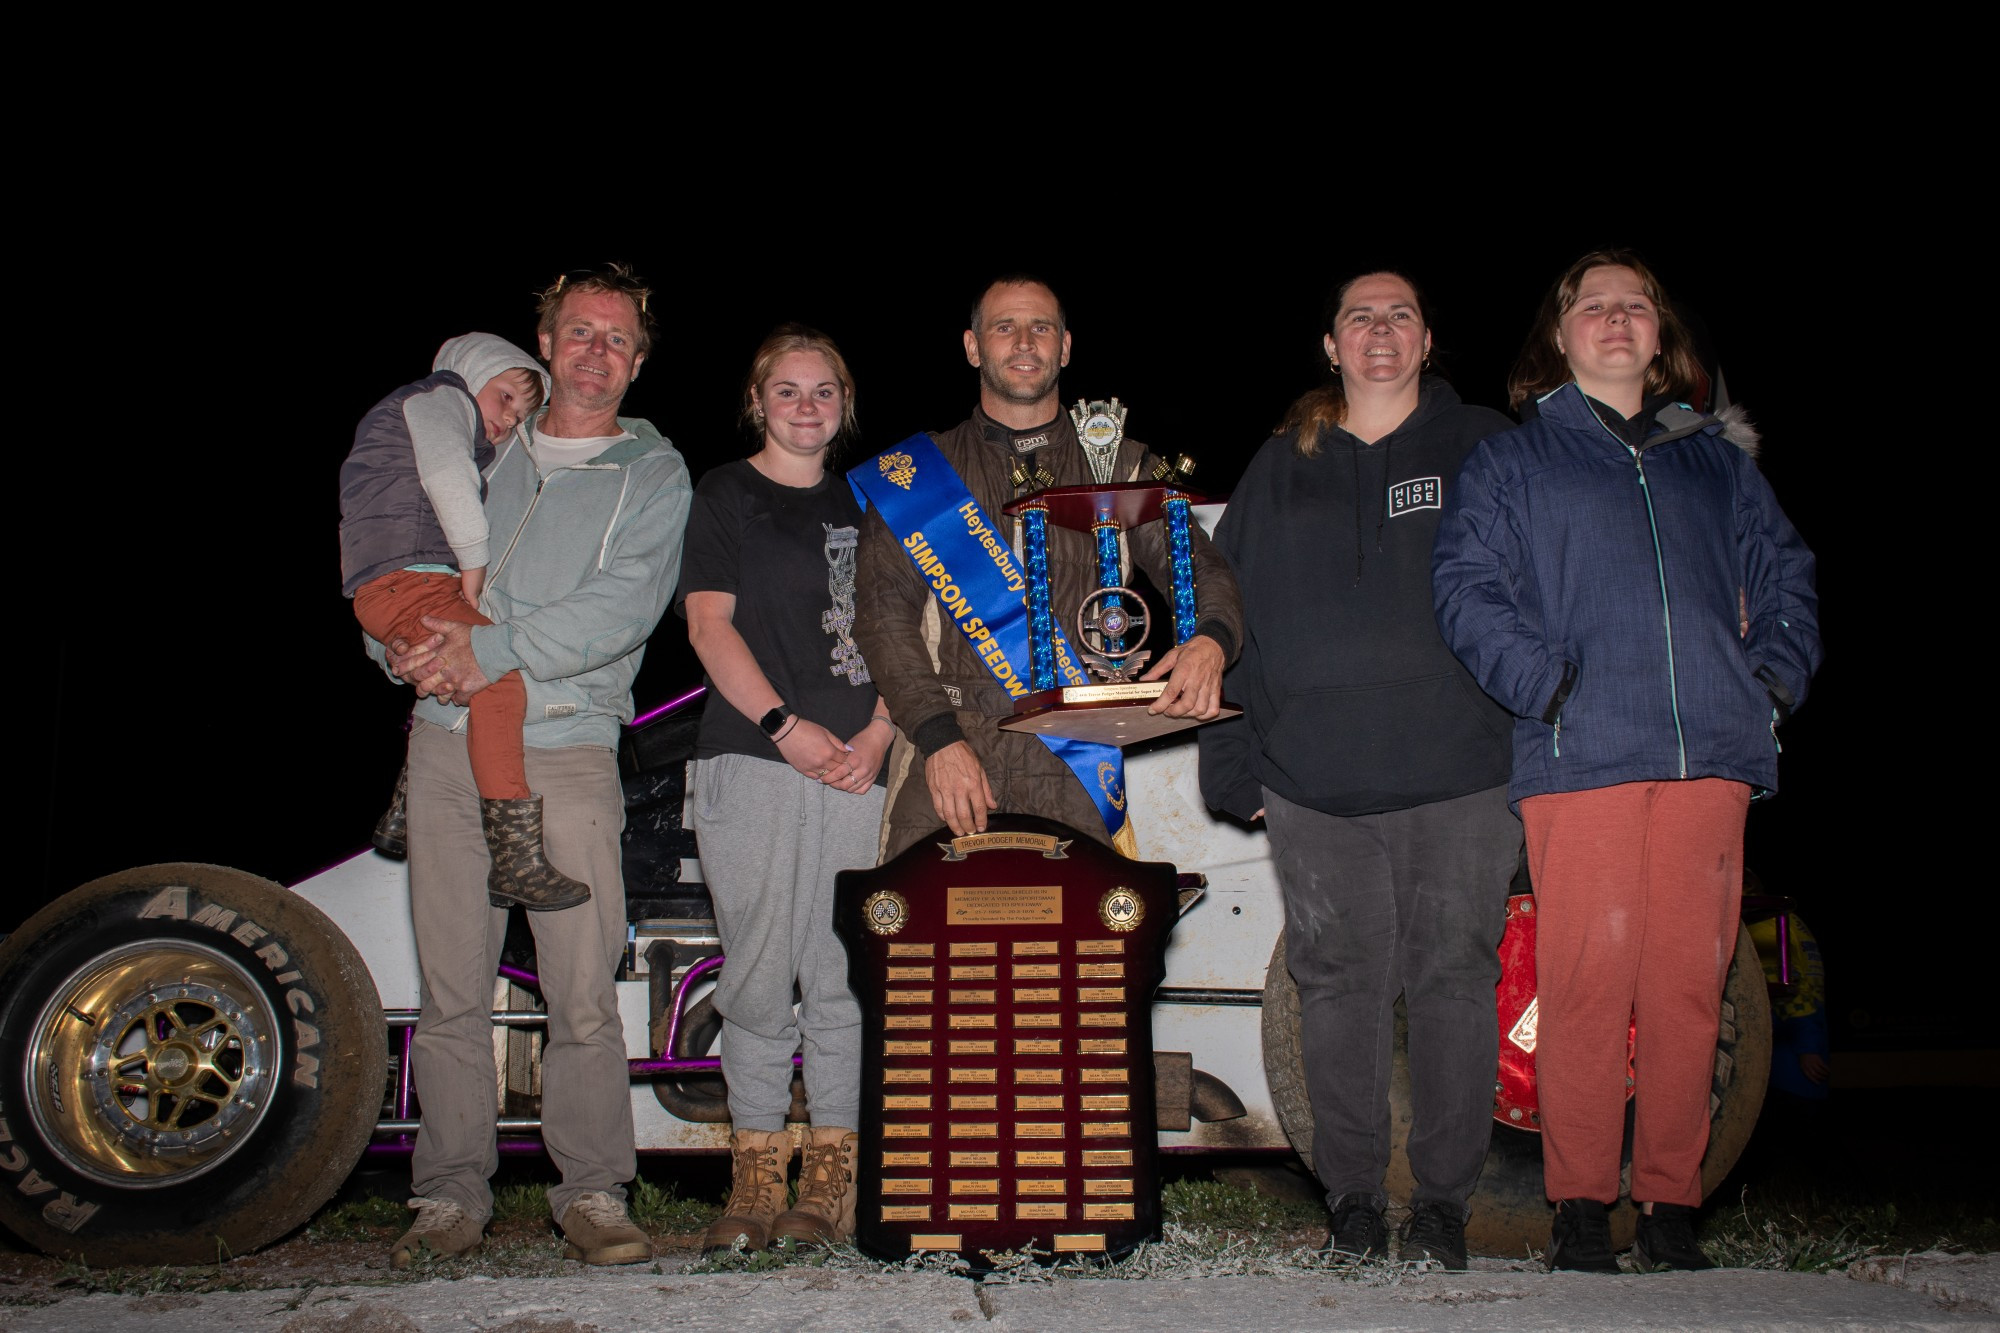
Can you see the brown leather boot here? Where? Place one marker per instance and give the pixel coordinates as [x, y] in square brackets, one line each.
[521, 874]
[756, 1190]
[825, 1210]
[392, 831]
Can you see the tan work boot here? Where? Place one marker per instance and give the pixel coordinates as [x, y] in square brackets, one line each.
[521, 875]
[756, 1190]
[600, 1232]
[825, 1210]
[442, 1228]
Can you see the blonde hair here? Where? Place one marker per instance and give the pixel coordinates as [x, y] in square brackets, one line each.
[1320, 409]
[780, 343]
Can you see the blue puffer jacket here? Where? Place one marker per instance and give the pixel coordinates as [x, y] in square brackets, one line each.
[1593, 589]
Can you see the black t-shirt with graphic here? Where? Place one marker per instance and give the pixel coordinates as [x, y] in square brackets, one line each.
[787, 555]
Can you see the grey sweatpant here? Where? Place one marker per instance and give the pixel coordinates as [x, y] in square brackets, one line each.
[771, 841]
[1411, 903]
[586, 1093]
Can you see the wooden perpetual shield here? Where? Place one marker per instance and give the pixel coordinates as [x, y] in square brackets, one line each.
[1006, 984]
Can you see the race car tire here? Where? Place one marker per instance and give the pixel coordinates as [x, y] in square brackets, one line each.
[1510, 1213]
[191, 1061]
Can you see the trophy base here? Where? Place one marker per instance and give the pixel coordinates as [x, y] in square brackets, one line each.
[1104, 714]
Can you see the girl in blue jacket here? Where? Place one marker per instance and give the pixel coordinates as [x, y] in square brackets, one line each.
[1618, 574]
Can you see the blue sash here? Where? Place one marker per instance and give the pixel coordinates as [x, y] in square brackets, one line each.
[959, 551]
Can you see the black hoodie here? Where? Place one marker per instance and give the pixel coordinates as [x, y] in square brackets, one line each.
[1352, 703]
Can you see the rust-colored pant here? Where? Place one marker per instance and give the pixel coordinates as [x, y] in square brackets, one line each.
[1637, 892]
[392, 607]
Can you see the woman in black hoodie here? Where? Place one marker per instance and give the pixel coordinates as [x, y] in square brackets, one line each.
[1379, 764]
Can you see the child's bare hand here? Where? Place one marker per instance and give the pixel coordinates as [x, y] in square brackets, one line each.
[471, 583]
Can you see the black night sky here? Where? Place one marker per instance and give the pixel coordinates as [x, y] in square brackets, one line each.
[204, 695]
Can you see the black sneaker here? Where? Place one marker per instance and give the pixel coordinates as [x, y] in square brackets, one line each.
[1580, 1240]
[1357, 1226]
[1666, 1240]
[1435, 1231]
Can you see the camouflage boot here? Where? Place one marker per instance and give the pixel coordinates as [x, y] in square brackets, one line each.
[825, 1210]
[392, 830]
[756, 1190]
[521, 874]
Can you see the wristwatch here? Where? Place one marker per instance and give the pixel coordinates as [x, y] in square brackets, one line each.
[774, 721]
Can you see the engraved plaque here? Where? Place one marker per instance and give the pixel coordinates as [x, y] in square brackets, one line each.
[1003, 905]
[974, 1129]
[1079, 1244]
[1013, 1120]
[1107, 1212]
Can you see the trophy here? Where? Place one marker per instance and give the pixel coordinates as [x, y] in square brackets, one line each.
[1110, 625]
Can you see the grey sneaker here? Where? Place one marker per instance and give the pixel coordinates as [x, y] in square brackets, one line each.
[442, 1228]
[599, 1232]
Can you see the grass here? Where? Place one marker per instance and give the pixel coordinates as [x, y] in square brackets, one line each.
[1815, 1233]
[1214, 1203]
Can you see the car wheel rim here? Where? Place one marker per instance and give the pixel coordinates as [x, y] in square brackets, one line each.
[153, 1063]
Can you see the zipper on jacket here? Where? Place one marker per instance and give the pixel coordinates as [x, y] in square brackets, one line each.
[1666, 609]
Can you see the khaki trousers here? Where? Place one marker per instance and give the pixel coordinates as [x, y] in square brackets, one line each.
[586, 1095]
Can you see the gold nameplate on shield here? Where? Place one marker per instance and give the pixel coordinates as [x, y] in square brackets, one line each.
[1100, 995]
[906, 1159]
[1033, 948]
[974, 1047]
[972, 972]
[1003, 904]
[984, 1101]
[924, 973]
[907, 1102]
[1101, 1046]
[906, 1076]
[1093, 971]
[1037, 1046]
[906, 1021]
[906, 1048]
[1037, 994]
[974, 949]
[1079, 1244]
[907, 997]
[1037, 971]
[979, 1187]
[1089, 947]
[975, 1159]
[1103, 1075]
[974, 1212]
[906, 1212]
[1057, 1186]
[972, 1021]
[1107, 1157]
[1107, 1129]
[935, 1242]
[1107, 1187]
[1104, 1212]
[1038, 1075]
[1042, 1101]
[1101, 1018]
[1039, 1157]
[1051, 1019]
[1041, 1212]
[1108, 1102]
[906, 1130]
[906, 1185]
[973, 1129]
[974, 1076]
[974, 997]
[1038, 1130]
[912, 950]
